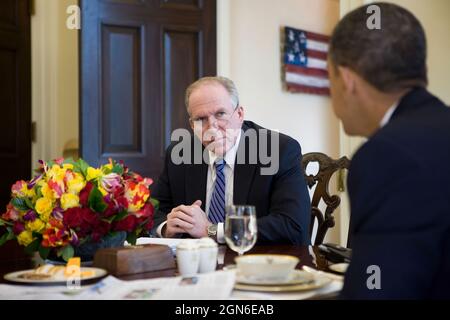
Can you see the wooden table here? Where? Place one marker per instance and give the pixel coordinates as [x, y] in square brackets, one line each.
[304, 253]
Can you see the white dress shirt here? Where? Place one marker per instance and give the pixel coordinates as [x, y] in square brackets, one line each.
[388, 115]
[230, 158]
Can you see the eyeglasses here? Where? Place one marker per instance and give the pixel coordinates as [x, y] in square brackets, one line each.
[221, 117]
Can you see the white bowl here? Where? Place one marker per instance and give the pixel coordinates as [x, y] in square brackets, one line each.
[266, 266]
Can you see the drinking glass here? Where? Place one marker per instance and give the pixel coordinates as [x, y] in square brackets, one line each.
[240, 228]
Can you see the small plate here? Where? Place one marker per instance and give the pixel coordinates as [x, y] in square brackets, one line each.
[318, 282]
[296, 277]
[31, 278]
[339, 267]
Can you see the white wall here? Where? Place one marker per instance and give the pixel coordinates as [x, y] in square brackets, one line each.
[434, 16]
[249, 52]
[254, 63]
[54, 79]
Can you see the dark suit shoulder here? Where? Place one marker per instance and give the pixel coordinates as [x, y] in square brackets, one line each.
[285, 141]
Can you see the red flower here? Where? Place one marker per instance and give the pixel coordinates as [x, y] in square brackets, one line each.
[56, 235]
[73, 217]
[147, 211]
[100, 230]
[111, 210]
[127, 224]
[89, 217]
[149, 225]
[18, 228]
[84, 194]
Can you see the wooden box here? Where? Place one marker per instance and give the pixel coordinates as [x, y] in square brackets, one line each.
[134, 259]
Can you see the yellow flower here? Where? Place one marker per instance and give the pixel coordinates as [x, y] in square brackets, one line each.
[25, 238]
[45, 217]
[68, 166]
[27, 192]
[44, 206]
[93, 173]
[76, 184]
[56, 173]
[37, 225]
[103, 191]
[69, 200]
[47, 192]
[135, 207]
[108, 166]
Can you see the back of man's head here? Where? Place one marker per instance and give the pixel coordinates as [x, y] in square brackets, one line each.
[391, 58]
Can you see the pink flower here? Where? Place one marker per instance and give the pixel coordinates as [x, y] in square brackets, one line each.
[111, 181]
[16, 189]
[11, 213]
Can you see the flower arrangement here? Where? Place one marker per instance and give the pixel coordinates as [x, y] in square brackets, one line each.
[69, 203]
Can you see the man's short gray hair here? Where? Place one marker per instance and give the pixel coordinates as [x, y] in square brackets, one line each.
[224, 82]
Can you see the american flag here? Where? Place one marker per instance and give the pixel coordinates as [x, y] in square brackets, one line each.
[305, 61]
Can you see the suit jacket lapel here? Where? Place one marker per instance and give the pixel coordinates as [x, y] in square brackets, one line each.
[195, 183]
[195, 177]
[243, 173]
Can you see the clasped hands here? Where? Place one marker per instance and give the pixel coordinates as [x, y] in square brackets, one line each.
[187, 219]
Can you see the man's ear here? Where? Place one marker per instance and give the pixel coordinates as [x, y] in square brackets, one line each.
[240, 112]
[348, 79]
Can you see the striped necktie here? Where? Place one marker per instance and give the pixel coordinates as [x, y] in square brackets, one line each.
[217, 202]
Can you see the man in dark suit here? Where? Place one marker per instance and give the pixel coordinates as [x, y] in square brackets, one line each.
[230, 161]
[399, 179]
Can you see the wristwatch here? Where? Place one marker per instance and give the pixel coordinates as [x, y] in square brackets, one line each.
[212, 231]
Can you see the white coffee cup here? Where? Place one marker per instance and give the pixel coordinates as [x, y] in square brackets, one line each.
[188, 258]
[208, 255]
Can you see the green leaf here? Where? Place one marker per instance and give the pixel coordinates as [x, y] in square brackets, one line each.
[20, 204]
[11, 235]
[67, 252]
[70, 161]
[155, 203]
[29, 203]
[44, 252]
[83, 166]
[6, 223]
[39, 192]
[118, 169]
[131, 238]
[33, 246]
[122, 214]
[106, 170]
[96, 202]
[4, 238]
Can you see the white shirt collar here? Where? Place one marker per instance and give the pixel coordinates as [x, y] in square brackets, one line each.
[230, 156]
[387, 116]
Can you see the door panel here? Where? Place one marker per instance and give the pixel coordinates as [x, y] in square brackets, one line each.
[180, 46]
[15, 104]
[15, 95]
[137, 58]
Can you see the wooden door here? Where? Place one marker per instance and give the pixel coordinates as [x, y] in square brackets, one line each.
[15, 104]
[137, 58]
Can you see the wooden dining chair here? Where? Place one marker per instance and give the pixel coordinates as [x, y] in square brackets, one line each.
[327, 167]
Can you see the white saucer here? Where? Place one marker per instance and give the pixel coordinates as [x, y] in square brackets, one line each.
[295, 278]
[339, 267]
